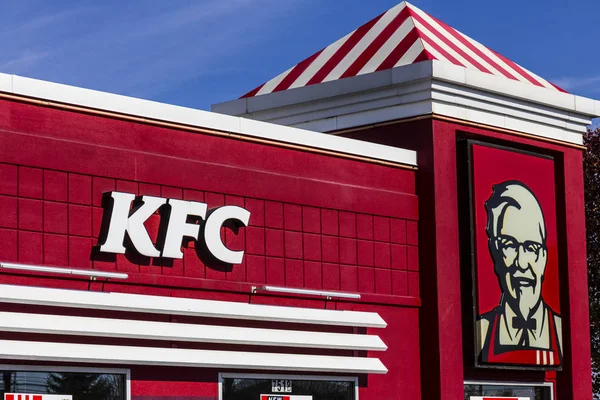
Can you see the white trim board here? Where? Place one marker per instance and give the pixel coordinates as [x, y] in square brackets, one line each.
[420, 89]
[170, 331]
[130, 355]
[71, 95]
[184, 306]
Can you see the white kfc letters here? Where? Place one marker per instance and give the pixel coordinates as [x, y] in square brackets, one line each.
[126, 214]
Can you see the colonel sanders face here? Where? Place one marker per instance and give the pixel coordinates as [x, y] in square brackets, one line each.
[517, 243]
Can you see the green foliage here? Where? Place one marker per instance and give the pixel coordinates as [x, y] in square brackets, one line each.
[592, 209]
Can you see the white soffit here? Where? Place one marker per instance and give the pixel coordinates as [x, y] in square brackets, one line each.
[64, 94]
[170, 331]
[183, 306]
[427, 87]
[131, 355]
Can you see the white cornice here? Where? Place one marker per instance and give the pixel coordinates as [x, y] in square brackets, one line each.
[240, 127]
[420, 89]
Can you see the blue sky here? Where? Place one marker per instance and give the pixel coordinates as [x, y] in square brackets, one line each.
[198, 52]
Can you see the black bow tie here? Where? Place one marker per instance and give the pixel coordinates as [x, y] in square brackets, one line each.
[520, 323]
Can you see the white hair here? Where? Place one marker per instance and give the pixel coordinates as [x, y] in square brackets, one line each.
[512, 194]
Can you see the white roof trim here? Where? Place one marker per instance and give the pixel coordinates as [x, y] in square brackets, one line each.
[150, 330]
[412, 73]
[183, 306]
[64, 94]
[419, 89]
[492, 83]
[130, 355]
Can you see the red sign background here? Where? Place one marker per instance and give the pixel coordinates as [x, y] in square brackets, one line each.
[491, 166]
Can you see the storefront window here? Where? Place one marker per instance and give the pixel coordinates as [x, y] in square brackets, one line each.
[80, 385]
[253, 388]
[532, 392]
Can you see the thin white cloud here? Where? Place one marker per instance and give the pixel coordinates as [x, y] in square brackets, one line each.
[24, 61]
[36, 23]
[177, 19]
[590, 84]
[138, 48]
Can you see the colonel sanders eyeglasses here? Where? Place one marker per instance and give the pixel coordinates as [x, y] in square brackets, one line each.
[511, 248]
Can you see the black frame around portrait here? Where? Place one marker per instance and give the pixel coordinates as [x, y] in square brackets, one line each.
[468, 251]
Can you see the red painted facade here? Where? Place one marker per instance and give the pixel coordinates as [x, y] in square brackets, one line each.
[442, 293]
[317, 222]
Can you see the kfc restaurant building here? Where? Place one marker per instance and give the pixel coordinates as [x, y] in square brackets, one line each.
[399, 216]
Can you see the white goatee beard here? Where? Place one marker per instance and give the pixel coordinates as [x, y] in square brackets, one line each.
[528, 298]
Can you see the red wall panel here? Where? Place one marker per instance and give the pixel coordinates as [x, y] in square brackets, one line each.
[438, 257]
[317, 221]
[303, 237]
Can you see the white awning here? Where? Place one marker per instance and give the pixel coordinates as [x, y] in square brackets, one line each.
[181, 306]
[169, 331]
[144, 329]
[130, 355]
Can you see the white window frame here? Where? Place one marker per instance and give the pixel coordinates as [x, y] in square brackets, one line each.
[223, 375]
[92, 370]
[508, 383]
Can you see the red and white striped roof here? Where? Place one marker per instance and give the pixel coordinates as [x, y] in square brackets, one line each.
[400, 36]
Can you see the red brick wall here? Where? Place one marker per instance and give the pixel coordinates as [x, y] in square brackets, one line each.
[316, 221]
[53, 217]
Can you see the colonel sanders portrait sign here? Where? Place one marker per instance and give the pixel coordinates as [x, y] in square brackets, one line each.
[515, 271]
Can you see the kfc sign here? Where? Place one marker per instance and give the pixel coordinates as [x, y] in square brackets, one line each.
[125, 215]
[515, 258]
